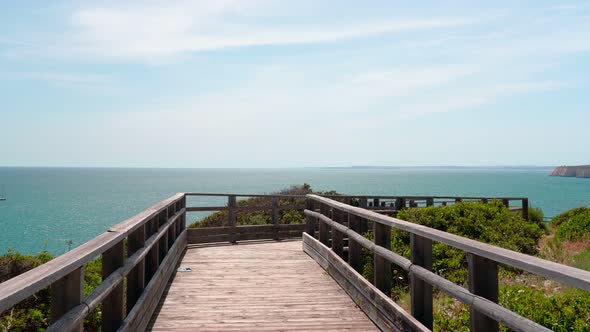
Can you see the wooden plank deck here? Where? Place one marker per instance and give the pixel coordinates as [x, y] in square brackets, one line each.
[262, 286]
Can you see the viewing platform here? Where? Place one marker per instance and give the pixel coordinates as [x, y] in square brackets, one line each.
[157, 275]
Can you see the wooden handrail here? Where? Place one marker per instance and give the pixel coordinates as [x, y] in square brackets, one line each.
[482, 293]
[417, 197]
[551, 270]
[371, 202]
[159, 230]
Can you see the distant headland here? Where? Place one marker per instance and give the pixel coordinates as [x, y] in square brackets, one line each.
[572, 171]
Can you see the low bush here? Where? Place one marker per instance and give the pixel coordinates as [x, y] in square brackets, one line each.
[490, 222]
[33, 314]
[564, 311]
[572, 225]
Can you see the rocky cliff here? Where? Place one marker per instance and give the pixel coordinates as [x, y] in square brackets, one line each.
[572, 171]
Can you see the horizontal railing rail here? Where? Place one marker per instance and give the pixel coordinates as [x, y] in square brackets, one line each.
[337, 220]
[142, 251]
[232, 232]
[379, 203]
[382, 203]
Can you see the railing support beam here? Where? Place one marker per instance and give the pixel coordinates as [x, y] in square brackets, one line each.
[525, 209]
[324, 229]
[382, 267]
[231, 212]
[112, 305]
[136, 278]
[355, 250]
[67, 293]
[337, 237]
[311, 222]
[421, 297]
[483, 281]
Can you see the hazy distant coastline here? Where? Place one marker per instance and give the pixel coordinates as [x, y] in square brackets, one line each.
[582, 171]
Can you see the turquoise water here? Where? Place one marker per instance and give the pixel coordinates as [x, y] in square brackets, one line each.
[48, 207]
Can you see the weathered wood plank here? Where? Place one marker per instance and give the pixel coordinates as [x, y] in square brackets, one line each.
[234, 287]
[206, 231]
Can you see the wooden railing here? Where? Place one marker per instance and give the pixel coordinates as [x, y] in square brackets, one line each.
[233, 232]
[143, 250]
[381, 204]
[338, 221]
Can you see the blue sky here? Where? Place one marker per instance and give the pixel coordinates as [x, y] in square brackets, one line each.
[267, 83]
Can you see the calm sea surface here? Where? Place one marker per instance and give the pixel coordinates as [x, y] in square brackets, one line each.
[49, 207]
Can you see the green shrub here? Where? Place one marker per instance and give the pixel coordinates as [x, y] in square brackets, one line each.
[33, 313]
[565, 311]
[572, 225]
[536, 216]
[581, 260]
[490, 222]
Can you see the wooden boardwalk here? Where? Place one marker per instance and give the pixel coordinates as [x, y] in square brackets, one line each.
[262, 286]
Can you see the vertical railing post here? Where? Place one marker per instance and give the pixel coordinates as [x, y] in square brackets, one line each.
[430, 201]
[506, 202]
[324, 236]
[355, 250]
[337, 237]
[364, 226]
[172, 228]
[381, 266]
[309, 205]
[458, 200]
[525, 208]
[163, 245]
[274, 216]
[483, 281]
[112, 305]
[153, 257]
[231, 210]
[183, 223]
[421, 297]
[66, 293]
[275, 211]
[136, 278]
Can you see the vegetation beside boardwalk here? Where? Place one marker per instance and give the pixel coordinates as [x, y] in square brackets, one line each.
[33, 314]
[565, 240]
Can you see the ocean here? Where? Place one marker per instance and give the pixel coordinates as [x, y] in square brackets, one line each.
[56, 209]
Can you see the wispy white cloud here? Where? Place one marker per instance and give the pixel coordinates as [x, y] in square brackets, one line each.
[162, 29]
